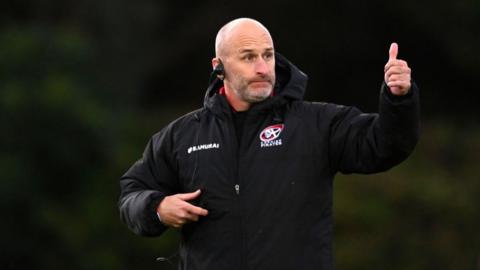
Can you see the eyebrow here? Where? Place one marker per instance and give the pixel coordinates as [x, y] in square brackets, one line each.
[269, 49]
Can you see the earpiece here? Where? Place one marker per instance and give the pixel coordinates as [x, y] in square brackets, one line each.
[219, 71]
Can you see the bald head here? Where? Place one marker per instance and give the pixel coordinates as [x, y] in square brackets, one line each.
[244, 48]
[243, 28]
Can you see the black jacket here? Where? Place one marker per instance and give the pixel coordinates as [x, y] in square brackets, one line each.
[269, 196]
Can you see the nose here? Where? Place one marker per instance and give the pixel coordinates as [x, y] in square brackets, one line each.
[261, 67]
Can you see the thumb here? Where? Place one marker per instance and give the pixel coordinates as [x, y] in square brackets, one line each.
[393, 52]
[189, 196]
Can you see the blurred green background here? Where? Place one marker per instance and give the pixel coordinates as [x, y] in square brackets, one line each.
[84, 84]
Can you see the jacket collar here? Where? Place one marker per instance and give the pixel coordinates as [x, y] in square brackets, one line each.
[290, 85]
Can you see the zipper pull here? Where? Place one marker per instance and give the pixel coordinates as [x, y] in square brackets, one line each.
[237, 189]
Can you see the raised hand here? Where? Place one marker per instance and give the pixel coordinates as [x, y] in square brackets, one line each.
[397, 73]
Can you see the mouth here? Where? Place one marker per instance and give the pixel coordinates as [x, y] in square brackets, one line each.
[260, 83]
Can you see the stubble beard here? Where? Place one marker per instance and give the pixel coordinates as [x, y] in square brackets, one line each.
[254, 95]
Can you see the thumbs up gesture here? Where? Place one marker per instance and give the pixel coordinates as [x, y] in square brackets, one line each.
[397, 73]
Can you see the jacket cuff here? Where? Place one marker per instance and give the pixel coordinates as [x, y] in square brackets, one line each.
[398, 99]
[152, 212]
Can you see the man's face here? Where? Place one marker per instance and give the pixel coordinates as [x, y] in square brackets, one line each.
[250, 64]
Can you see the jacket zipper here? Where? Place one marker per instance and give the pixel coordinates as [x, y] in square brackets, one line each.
[239, 208]
[236, 189]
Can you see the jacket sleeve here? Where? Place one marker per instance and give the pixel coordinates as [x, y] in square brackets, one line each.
[369, 143]
[145, 184]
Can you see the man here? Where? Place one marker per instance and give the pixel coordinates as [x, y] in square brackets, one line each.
[248, 177]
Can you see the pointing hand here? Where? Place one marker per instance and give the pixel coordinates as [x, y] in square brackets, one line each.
[175, 211]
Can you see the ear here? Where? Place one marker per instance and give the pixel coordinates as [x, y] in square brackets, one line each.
[215, 62]
[218, 68]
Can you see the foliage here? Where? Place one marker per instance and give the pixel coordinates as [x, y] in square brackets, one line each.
[84, 85]
[420, 215]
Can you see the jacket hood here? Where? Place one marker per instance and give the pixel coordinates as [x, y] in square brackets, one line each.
[290, 85]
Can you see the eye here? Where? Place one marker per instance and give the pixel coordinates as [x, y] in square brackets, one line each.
[249, 57]
[268, 56]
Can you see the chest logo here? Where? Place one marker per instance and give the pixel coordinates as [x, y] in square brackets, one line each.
[203, 147]
[269, 136]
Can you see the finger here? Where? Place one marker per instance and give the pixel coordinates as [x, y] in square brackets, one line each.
[176, 222]
[191, 217]
[394, 71]
[393, 51]
[399, 84]
[405, 76]
[398, 78]
[185, 217]
[189, 196]
[394, 63]
[196, 210]
[397, 70]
